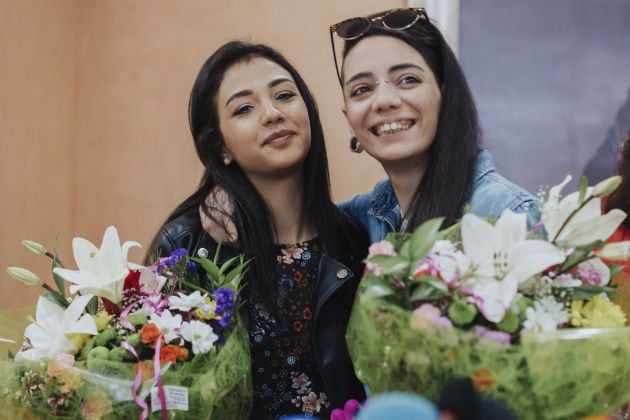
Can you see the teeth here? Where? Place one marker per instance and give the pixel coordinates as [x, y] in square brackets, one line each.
[391, 128]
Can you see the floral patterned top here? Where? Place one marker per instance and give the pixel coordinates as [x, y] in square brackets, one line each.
[286, 379]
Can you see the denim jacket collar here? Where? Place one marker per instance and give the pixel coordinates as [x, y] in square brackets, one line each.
[384, 205]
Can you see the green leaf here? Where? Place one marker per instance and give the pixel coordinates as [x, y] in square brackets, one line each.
[583, 188]
[391, 264]
[226, 265]
[422, 240]
[427, 291]
[376, 291]
[10, 355]
[614, 270]
[580, 254]
[59, 282]
[210, 267]
[92, 306]
[589, 291]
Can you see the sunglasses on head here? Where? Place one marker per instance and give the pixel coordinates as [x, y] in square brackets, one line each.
[353, 28]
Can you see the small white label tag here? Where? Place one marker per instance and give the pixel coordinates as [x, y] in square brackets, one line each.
[176, 398]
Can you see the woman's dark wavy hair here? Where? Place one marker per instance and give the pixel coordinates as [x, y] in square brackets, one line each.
[445, 186]
[620, 199]
[251, 215]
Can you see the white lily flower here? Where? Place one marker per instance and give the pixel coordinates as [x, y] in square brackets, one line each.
[494, 298]
[501, 259]
[586, 226]
[48, 335]
[200, 335]
[501, 250]
[101, 272]
[168, 324]
[186, 303]
[615, 251]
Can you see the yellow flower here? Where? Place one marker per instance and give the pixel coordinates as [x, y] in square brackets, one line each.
[101, 319]
[599, 312]
[78, 340]
[208, 311]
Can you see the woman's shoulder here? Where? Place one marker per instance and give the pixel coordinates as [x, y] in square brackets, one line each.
[492, 193]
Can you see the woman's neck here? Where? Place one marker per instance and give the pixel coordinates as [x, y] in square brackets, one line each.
[405, 178]
[283, 197]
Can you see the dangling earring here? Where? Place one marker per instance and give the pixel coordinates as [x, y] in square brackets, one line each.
[355, 146]
[227, 159]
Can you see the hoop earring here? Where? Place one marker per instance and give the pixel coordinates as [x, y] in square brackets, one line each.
[355, 146]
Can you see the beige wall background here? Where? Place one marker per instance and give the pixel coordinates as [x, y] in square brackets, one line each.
[93, 123]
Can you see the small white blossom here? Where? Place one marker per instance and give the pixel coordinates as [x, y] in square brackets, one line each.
[186, 303]
[546, 315]
[168, 324]
[200, 335]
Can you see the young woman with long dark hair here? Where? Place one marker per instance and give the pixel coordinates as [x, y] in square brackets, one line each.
[257, 132]
[408, 105]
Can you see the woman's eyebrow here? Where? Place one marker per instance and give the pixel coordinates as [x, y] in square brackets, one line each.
[404, 66]
[360, 75]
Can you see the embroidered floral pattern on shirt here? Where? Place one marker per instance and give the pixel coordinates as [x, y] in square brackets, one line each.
[286, 379]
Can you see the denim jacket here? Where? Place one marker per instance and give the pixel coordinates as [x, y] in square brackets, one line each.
[379, 211]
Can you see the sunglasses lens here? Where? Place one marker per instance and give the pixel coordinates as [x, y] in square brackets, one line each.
[353, 28]
[400, 19]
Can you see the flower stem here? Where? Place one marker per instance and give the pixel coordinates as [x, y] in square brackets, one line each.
[568, 219]
[55, 259]
[60, 299]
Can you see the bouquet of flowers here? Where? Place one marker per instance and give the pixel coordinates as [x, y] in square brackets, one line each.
[169, 333]
[527, 316]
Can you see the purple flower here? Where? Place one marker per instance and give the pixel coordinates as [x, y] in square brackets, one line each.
[498, 336]
[348, 412]
[192, 267]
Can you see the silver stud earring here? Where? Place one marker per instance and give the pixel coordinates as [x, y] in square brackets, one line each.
[355, 146]
[227, 159]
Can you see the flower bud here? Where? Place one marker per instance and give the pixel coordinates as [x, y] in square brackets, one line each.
[23, 275]
[607, 186]
[35, 247]
[615, 251]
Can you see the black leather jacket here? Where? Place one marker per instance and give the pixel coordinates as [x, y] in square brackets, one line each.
[335, 290]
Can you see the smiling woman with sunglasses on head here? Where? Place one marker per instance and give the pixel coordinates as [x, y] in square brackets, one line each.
[408, 105]
[257, 132]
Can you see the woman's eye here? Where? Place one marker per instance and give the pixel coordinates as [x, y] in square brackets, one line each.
[283, 96]
[409, 80]
[359, 90]
[243, 109]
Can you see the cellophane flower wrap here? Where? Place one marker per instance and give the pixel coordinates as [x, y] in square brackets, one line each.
[526, 315]
[131, 341]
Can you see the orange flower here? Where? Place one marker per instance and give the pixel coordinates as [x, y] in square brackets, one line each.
[483, 378]
[172, 353]
[149, 333]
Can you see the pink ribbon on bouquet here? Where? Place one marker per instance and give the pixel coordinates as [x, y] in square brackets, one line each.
[136, 383]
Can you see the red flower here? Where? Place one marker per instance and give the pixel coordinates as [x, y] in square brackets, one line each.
[133, 280]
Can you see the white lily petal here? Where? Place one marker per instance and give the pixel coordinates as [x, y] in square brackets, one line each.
[47, 308]
[495, 297]
[479, 243]
[74, 311]
[85, 325]
[30, 355]
[127, 246]
[109, 261]
[84, 254]
[598, 228]
[531, 257]
[511, 228]
[549, 209]
[597, 265]
[83, 278]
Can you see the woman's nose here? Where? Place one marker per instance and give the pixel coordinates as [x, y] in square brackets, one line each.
[271, 114]
[385, 97]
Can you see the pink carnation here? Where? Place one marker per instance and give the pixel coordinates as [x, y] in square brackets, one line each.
[379, 248]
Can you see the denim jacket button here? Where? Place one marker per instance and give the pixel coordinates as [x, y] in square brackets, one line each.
[342, 274]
